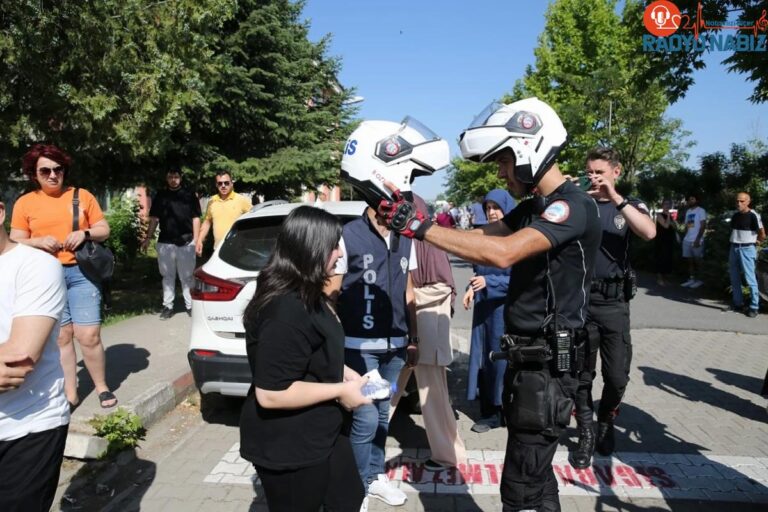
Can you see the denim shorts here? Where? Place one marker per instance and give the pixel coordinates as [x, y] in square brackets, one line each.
[689, 251]
[83, 305]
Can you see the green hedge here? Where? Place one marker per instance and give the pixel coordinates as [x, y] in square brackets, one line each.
[126, 230]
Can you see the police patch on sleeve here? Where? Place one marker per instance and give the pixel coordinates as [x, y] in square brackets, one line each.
[643, 208]
[557, 212]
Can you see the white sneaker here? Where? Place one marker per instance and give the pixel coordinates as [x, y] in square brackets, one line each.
[364, 506]
[382, 489]
[688, 283]
[695, 284]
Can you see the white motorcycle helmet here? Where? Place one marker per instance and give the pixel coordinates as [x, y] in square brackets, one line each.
[529, 127]
[384, 150]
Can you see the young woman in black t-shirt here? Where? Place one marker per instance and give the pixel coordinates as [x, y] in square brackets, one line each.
[291, 422]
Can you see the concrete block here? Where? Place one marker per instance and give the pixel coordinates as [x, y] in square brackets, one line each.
[82, 446]
[154, 403]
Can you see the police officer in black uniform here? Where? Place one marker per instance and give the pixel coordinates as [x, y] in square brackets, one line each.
[551, 242]
[612, 288]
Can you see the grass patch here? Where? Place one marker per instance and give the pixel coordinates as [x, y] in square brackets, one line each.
[136, 289]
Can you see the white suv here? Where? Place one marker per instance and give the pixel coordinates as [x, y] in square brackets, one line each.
[223, 287]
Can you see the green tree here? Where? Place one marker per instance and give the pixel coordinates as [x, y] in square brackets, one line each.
[133, 86]
[674, 69]
[278, 118]
[589, 68]
[467, 180]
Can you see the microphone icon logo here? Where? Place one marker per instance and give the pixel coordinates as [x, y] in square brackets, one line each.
[660, 15]
[661, 18]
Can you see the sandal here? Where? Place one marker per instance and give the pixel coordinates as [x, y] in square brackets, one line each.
[107, 396]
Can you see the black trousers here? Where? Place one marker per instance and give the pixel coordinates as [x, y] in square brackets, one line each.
[528, 481]
[611, 315]
[334, 483]
[29, 470]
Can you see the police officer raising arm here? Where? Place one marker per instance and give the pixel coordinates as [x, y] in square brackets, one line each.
[551, 241]
[612, 288]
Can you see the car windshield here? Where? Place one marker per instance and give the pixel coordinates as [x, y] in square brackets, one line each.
[250, 242]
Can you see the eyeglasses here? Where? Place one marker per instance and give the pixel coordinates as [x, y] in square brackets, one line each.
[46, 171]
[223, 183]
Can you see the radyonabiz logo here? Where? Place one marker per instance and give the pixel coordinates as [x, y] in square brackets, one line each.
[670, 30]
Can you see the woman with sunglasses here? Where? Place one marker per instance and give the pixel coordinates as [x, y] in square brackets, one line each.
[43, 219]
[291, 422]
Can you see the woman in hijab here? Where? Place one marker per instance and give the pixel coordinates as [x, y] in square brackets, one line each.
[488, 290]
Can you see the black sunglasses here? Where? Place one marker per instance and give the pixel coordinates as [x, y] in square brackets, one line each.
[46, 171]
[223, 183]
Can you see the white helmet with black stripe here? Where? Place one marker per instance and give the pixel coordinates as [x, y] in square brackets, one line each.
[379, 151]
[529, 127]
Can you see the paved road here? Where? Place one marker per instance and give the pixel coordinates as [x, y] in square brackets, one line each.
[693, 433]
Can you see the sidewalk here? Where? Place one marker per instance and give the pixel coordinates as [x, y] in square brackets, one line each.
[147, 370]
[692, 434]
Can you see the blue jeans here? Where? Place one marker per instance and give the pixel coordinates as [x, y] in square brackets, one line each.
[370, 423]
[742, 259]
[83, 305]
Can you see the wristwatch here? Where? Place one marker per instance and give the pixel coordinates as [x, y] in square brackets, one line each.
[413, 340]
[624, 203]
[87, 234]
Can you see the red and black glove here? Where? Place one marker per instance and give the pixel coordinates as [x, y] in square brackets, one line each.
[402, 216]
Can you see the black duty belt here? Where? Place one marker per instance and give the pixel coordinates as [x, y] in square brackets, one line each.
[610, 288]
[528, 340]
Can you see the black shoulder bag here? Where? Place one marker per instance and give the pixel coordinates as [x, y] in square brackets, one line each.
[96, 261]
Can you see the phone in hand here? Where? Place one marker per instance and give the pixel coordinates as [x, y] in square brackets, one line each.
[584, 183]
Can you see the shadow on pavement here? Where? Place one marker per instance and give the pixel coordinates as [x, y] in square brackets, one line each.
[745, 382]
[122, 360]
[674, 479]
[113, 485]
[696, 390]
[673, 291]
[409, 434]
[644, 433]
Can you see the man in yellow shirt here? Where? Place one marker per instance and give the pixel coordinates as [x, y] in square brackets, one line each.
[223, 209]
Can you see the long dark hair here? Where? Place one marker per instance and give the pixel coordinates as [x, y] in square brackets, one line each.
[298, 263]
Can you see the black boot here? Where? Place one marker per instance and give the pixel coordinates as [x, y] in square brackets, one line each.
[605, 438]
[581, 458]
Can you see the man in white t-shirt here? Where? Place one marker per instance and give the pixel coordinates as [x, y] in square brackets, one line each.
[34, 413]
[693, 242]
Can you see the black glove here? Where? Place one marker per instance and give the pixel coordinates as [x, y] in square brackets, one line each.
[403, 217]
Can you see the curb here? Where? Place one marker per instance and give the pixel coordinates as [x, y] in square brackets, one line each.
[150, 406]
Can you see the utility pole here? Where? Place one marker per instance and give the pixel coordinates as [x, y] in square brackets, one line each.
[610, 116]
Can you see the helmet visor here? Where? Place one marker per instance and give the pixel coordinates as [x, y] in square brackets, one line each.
[485, 114]
[415, 132]
[411, 134]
